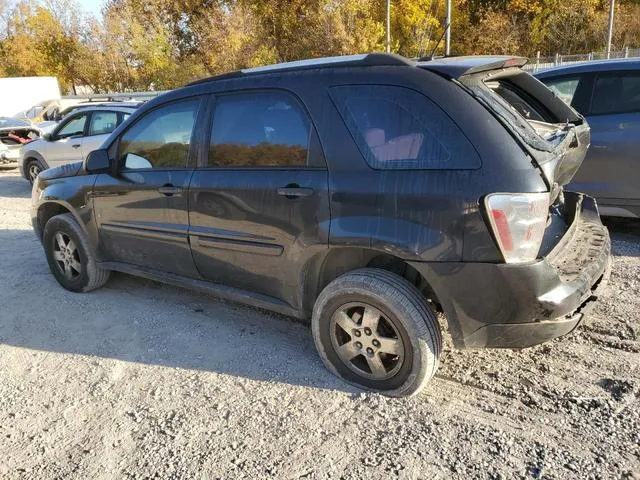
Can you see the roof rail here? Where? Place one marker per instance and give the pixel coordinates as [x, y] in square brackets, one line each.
[114, 97]
[362, 60]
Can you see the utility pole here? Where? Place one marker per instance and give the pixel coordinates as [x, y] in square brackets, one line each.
[388, 26]
[447, 25]
[610, 34]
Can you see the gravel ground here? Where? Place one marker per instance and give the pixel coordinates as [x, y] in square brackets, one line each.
[141, 380]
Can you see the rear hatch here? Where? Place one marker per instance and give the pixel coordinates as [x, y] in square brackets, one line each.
[554, 134]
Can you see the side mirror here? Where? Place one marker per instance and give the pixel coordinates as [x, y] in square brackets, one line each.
[48, 137]
[97, 161]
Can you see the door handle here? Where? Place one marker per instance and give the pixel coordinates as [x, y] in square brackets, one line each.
[293, 190]
[170, 190]
[77, 145]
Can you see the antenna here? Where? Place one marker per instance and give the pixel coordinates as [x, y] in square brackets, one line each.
[446, 27]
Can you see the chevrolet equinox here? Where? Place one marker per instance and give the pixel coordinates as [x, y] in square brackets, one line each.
[367, 193]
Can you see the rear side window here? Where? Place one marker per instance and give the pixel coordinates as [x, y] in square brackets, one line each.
[103, 123]
[161, 138]
[259, 129]
[399, 128]
[618, 93]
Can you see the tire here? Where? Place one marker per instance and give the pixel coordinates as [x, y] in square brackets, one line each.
[345, 302]
[70, 255]
[32, 169]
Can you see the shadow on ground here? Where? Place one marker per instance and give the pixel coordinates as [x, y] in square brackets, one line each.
[625, 233]
[141, 321]
[13, 185]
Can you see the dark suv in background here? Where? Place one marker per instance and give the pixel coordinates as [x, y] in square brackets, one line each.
[366, 192]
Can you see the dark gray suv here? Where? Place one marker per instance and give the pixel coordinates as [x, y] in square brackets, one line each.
[364, 192]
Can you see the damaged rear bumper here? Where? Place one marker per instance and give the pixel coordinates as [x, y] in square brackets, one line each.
[516, 306]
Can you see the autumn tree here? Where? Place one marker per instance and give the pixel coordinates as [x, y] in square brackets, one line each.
[161, 44]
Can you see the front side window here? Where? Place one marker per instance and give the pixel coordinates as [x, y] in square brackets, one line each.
[564, 88]
[618, 93]
[259, 129]
[73, 128]
[161, 138]
[103, 123]
[399, 128]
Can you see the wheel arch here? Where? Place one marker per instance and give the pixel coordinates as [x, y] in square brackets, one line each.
[31, 155]
[49, 209]
[323, 269]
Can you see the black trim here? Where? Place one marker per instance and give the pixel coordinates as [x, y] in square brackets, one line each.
[148, 231]
[236, 245]
[369, 60]
[222, 291]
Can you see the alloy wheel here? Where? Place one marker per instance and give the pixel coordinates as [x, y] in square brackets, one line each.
[66, 256]
[367, 341]
[34, 171]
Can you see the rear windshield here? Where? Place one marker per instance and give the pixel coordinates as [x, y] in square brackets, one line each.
[524, 105]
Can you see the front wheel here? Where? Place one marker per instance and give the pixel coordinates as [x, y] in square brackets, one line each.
[376, 330]
[70, 256]
[32, 170]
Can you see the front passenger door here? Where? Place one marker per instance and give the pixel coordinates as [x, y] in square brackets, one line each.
[141, 211]
[66, 142]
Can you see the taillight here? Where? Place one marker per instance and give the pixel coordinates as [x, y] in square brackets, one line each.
[518, 221]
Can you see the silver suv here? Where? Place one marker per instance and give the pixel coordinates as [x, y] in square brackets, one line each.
[76, 135]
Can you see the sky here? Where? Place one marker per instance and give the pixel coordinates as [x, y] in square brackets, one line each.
[91, 6]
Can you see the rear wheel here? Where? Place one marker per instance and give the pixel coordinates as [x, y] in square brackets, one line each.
[70, 256]
[32, 170]
[376, 330]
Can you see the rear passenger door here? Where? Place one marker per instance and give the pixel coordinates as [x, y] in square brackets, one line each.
[258, 206]
[612, 167]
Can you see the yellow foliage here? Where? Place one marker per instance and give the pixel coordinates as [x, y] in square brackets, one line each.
[145, 44]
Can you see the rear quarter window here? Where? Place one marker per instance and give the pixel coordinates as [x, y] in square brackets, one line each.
[399, 128]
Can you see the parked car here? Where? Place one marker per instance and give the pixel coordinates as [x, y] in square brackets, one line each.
[608, 94]
[42, 111]
[64, 111]
[77, 134]
[366, 192]
[14, 133]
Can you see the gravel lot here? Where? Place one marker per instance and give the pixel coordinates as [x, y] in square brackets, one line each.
[142, 380]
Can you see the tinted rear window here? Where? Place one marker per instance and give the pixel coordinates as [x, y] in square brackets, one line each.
[616, 94]
[259, 129]
[399, 128]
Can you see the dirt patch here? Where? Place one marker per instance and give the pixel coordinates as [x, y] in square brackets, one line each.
[142, 380]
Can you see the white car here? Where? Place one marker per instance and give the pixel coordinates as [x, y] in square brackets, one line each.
[14, 132]
[76, 135]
